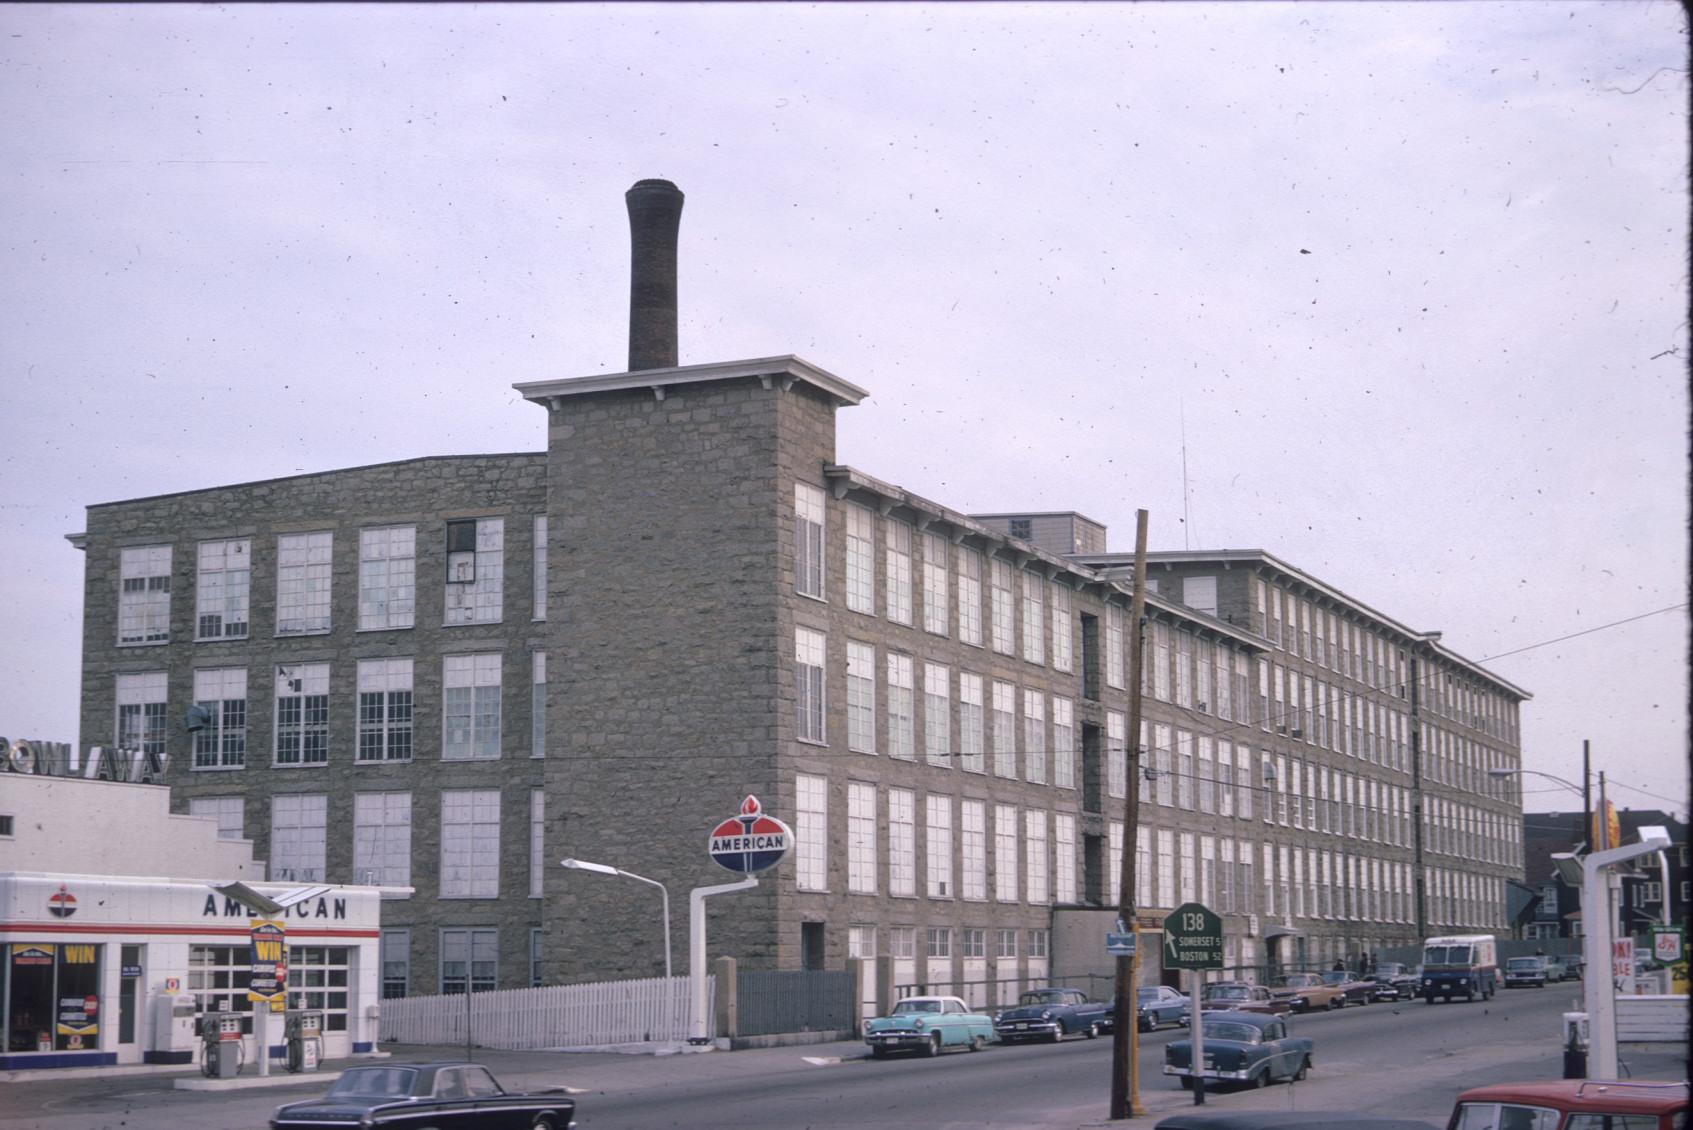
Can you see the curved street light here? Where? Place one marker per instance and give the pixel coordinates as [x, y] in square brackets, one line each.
[605, 869]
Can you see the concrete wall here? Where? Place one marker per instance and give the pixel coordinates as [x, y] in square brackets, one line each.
[78, 827]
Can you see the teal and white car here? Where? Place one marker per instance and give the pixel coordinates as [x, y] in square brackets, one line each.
[929, 1025]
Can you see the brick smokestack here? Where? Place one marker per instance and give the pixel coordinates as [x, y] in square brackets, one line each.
[655, 212]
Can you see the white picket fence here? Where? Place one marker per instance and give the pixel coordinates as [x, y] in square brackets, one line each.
[553, 1016]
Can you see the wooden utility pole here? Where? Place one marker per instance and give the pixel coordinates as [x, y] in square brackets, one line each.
[1125, 1034]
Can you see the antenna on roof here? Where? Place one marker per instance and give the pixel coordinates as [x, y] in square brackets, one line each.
[1187, 526]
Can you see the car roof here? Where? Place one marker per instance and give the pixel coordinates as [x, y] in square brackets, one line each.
[906, 1000]
[1256, 1019]
[1587, 1095]
[1269, 1119]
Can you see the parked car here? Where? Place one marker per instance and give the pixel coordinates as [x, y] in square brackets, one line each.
[1207, 1118]
[1306, 992]
[410, 1096]
[928, 1025]
[1248, 1048]
[1573, 965]
[1243, 997]
[1052, 1014]
[1353, 990]
[1394, 980]
[1556, 969]
[1525, 971]
[1158, 1005]
[1572, 1104]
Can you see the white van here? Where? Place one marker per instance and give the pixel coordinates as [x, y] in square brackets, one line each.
[1460, 965]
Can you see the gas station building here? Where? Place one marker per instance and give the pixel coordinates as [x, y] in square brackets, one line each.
[115, 942]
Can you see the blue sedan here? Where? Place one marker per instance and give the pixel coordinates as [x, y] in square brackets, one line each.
[1248, 1048]
[1158, 1005]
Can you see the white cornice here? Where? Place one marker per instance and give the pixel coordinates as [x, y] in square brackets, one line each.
[787, 368]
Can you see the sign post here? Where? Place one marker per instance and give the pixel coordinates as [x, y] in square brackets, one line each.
[745, 844]
[1193, 940]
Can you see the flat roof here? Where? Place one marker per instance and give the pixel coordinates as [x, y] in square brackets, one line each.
[786, 368]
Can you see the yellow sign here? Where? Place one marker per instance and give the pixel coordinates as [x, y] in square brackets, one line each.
[1606, 832]
[268, 980]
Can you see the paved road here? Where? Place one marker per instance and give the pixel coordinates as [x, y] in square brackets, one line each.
[1410, 1059]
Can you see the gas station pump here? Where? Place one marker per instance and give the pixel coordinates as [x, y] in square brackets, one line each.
[302, 1035]
[220, 1043]
[173, 1027]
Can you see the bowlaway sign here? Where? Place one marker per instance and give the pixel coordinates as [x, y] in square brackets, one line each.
[751, 842]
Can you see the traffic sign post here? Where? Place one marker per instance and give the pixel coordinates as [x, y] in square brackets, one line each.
[1193, 940]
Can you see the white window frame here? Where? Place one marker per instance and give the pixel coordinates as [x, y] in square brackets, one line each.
[861, 838]
[538, 567]
[1005, 730]
[938, 841]
[811, 832]
[1034, 736]
[382, 838]
[1003, 607]
[470, 843]
[861, 697]
[304, 583]
[902, 707]
[470, 722]
[1034, 619]
[973, 843]
[222, 742]
[230, 812]
[1005, 869]
[937, 714]
[936, 601]
[1064, 858]
[898, 586]
[1035, 873]
[810, 711]
[387, 578]
[222, 580]
[302, 696]
[972, 749]
[902, 843]
[809, 546]
[385, 710]
[475, 588]
[298, 837]
[144, 573]
[969, 596]
[1063, 742]
[477, 950]
[860, 559]
[142, 712]
[1063, 629]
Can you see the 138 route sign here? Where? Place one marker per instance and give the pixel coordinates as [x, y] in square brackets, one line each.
[1193, 938]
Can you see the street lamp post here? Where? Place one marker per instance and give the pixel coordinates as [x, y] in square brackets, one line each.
[603, 869]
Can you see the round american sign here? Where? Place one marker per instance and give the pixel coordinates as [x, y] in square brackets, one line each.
[751, 842]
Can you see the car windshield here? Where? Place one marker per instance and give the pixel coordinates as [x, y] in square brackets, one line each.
[1336, 977]
[1047, 996]
[1523, 963]
[1145, 995]
[1389, 969]
[1301, 981]
[375, 1082]
[1227, 993]
[905, 1008]
[1446, 955]
[1231, 1030]
[1504, 1116]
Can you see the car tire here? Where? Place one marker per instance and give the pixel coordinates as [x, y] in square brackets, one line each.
[1093, 1031]
[933, 1047]
[1260, 1080]
[1059, 1031]
[1336, 1002]
[1187, 1082]
[1469, 996]
[545, 1122]
[1304, 1066]
[977, 1043]
[878, 1052]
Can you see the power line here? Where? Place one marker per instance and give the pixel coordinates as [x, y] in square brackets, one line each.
[1584, 632]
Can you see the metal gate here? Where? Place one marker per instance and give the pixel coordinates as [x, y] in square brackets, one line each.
[794, 1001]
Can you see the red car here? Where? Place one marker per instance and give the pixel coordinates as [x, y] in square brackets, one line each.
[1572, 1104]
[1241, 997]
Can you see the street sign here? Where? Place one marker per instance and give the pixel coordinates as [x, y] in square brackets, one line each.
[751, 842]
[1667, 944]
[1193, 938]
[1120, 945]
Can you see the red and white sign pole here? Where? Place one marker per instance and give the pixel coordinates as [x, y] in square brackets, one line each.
[746, 843]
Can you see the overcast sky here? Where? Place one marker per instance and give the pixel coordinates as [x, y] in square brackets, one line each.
[1410, 279]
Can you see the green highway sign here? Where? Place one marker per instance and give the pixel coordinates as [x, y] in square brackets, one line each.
[1193, 938]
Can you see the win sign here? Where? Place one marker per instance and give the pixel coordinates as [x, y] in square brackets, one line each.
[269, 981]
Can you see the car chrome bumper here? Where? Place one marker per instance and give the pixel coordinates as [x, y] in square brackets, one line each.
[1212, 1073]
[895, 1039]
[1017, 1029]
